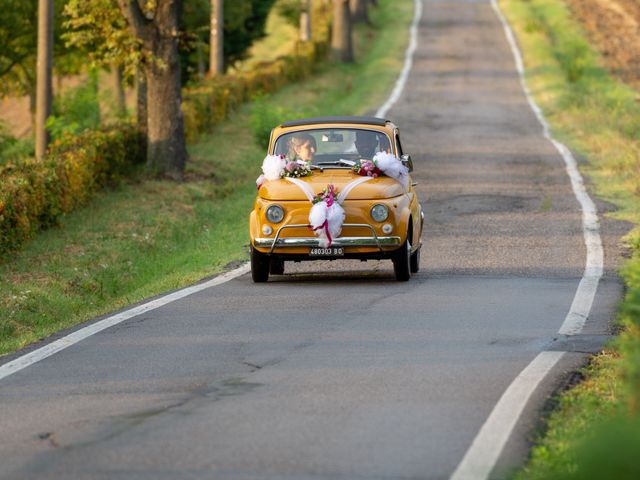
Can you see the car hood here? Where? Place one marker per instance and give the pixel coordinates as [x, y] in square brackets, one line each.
[376, 188]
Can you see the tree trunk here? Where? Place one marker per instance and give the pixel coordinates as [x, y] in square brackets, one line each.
[141, 106]
[305, 22]
[341, 43]
[166, 149]
[216, 60]
[32, 107]
[359, 12]
[118, 87]
[43, 89]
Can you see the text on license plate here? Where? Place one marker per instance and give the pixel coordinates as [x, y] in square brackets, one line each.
[326, 252]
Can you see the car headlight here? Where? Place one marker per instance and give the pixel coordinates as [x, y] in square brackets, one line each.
[379, 212]
[275, 213]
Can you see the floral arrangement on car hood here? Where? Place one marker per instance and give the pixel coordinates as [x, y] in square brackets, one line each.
[326, 216]
[384, 163]
[275, 167]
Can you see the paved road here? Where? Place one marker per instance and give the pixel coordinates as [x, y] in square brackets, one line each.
[332, 371]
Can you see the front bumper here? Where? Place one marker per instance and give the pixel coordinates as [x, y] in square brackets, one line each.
[373, 241]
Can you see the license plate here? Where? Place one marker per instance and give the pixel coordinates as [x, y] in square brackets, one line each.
[326, 252]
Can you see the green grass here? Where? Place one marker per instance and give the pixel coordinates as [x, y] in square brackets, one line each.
[595, 430]
[150, 236]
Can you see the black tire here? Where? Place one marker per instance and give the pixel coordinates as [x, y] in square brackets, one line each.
[259, 266]
[276, 267]
[401, 262]
[414, 261]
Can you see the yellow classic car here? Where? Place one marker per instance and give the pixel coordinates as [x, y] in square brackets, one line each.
[333, 188]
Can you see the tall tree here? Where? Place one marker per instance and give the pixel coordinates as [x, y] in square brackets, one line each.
[44, 91]
[117, 72]
[305, 22]
[359, 12]
[141, 105]
[216, 42]
[341, 42]
[157, 29]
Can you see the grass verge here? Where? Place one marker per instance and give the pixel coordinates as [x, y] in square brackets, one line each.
[149, 236]
[595, 430]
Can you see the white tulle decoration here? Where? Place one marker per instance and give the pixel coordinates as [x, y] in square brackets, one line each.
[392, 167]
[318, 215]
[260, 180]
[326, 221]
[273, 166]
[335, 219]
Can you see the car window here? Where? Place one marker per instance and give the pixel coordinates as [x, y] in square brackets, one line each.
[332, 144]
[399, 145]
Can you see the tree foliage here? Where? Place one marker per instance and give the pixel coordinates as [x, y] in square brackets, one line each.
[290, 10]
[18, 46]
[244, 23]
[99, 29]
[18, 39]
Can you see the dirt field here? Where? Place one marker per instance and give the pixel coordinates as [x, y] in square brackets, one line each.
[614, 27]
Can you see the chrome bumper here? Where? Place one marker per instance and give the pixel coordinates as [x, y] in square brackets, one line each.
[373, 241]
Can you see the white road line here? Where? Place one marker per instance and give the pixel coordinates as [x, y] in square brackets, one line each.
[490, 440]
[28, 359]
[41, 353]
[488, 444]
[408, 62]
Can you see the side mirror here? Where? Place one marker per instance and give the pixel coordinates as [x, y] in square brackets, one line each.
[407, 162]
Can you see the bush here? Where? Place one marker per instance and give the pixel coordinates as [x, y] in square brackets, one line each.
[78, 109]
[264, 117]
[12, 148]
[35, 194]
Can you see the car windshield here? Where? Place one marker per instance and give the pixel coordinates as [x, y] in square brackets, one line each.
[332, 147]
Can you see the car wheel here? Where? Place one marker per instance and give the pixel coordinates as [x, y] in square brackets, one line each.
[401, 262]
[259, 266]
[276, 267]
[414, 261]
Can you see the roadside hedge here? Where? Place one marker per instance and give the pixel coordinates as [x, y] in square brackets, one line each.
[34, 194]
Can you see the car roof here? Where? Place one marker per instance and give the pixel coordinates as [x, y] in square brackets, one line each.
[360, 120]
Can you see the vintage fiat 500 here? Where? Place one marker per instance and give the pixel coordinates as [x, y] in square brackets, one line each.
[332, 188]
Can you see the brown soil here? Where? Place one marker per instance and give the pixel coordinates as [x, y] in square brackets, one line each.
[614, 28]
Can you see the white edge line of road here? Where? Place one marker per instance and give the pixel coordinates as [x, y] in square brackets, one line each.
[482, 455]
[54, 347]
[35, 356]
[408, 62]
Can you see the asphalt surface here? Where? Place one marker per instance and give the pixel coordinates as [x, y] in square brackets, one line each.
[335, 370]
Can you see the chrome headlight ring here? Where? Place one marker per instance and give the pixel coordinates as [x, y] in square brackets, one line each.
[275, 213]
[379, 212]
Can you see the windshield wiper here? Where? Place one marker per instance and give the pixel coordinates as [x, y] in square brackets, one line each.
[342, 161]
